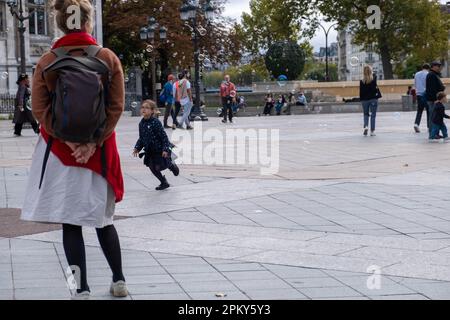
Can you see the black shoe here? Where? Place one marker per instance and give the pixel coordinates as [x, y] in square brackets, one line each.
[163, 185]
[224, 121]
[189, 128]
[17, 134]
[175, 170]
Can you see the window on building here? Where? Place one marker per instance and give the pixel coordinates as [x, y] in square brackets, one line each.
[38, 17]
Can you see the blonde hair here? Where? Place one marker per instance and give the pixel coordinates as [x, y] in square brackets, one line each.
[367, 75]
[86, 14]
[151, 105]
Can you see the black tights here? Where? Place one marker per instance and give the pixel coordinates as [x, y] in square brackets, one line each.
[76, 256]
[157, 173]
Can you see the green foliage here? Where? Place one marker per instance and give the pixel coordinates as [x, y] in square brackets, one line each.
[416, 27]
[317, 71]
[275, 20]
[285, 58]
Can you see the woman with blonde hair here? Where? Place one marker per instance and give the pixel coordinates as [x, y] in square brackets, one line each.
[83, 180]
[369, 95]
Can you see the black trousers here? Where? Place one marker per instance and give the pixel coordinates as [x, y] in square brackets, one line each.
[176, 112]
[18, 127]
[227, 107]
[268, 108]
[169, 112]
[421, 106]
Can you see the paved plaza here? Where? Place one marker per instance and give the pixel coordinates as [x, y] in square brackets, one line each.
[340, 206]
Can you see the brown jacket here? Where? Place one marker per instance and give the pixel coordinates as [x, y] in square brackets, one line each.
[41, 103]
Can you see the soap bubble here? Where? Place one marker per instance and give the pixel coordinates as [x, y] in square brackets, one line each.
[134, 105]
[4, 75]
[146, 64]
[354, 61]
[149, 48]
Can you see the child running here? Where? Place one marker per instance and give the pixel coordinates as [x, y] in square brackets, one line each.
[153, 139]
[437, 118]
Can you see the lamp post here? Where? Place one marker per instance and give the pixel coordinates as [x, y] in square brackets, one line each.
[327, 31]
[148, 33]
[17, 11]
[188, 13]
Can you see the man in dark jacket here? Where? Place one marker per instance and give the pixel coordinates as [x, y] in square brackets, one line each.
[433, 87]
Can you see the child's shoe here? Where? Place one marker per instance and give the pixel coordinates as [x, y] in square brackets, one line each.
[84, 295]
[164, 185]
[175, 170]
[119, 289]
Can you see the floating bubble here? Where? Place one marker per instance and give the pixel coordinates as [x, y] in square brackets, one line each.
[132, 75]
[132, 34]
[126, 79]
[397, 115]
[146, 64]
[174, 54]
[172, 45]
[202, 31]
[4, 75]
[354, 61]
[134, 105]
[149, 48]
[282, 80]
[120, 56]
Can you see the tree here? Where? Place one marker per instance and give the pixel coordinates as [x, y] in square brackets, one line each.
[407, 27]
[275, 20]
[285, 58]
[318, 72]
[122, 21]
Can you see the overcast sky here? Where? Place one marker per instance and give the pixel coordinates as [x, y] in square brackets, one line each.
[234, 9]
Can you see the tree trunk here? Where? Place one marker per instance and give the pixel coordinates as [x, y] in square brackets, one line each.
[386, 60]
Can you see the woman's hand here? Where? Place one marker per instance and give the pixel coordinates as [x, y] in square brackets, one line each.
[135, 153]
[84, 152]
[165, 154]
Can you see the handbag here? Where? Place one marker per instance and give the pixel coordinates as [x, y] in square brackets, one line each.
[378, 94]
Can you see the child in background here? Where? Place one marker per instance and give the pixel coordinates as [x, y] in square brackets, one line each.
[153, 139]
[437, 118]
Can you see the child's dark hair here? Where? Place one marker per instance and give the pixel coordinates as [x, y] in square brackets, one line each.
[441, 95]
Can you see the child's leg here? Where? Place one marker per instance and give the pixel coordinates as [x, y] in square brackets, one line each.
[434, 131]
[157, 173]
[444, 131]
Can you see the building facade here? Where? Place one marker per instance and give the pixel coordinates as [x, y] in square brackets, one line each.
[41, 31]
[352, 58]
[332, 54]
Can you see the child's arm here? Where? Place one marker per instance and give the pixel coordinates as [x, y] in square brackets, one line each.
[139, 143]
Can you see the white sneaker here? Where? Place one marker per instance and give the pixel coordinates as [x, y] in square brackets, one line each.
[372, 134]
[416, 128]
[119, 289]
[84, 295]
[366, 130]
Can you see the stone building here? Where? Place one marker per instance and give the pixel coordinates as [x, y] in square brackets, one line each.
[40, 32]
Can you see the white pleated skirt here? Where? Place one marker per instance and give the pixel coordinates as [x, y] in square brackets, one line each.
[71, 195]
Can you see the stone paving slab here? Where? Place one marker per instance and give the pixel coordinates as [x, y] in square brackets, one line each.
[339, 204]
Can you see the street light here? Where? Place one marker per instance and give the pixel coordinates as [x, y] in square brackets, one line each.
[148, 33]
[188, 13]
[17, 11]
[327, 75]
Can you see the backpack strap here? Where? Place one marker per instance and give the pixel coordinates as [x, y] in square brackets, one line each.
[59, 52]
[92, 50]
[44, 163]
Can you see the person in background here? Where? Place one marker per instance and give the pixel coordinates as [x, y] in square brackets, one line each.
[420, 79]
[433, 86]
[369, 95]
[184, 96]
[280, 103]
[301, 100]
[269, 104]
[226, 89]
[437, 118]
[290, 102]
[22, 112]
[168, 98]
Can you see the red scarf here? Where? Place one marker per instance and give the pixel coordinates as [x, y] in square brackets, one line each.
[64, 153]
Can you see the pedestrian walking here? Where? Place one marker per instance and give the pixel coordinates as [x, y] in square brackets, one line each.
[420, 79]
[184, 96]
[22, 111]
[433, 86]
[77, 145]
[157, 148]
[227, 88]
[166, 98]
[369, 93]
